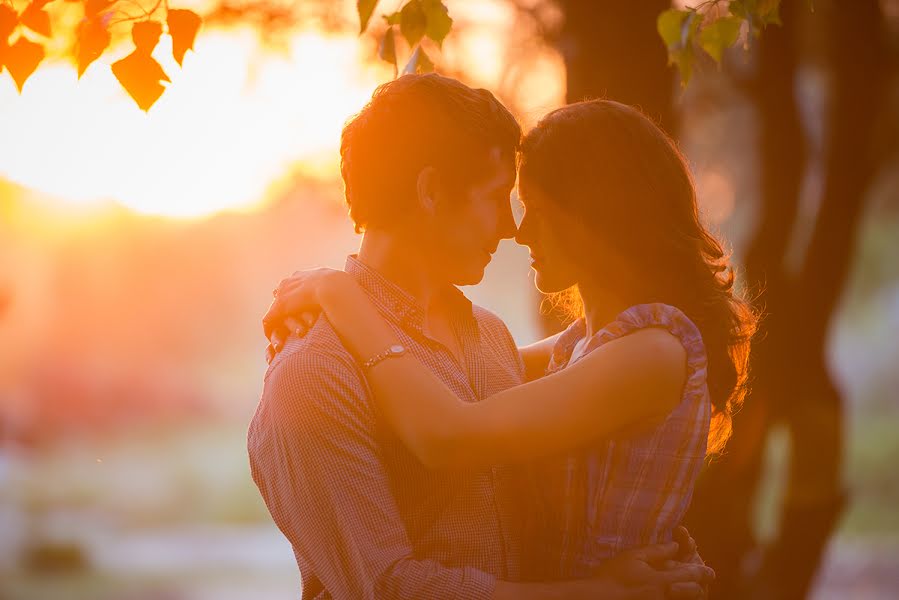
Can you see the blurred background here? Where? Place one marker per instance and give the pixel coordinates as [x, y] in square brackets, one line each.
[138, 252]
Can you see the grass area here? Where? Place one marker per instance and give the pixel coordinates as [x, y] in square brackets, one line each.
[227, 584]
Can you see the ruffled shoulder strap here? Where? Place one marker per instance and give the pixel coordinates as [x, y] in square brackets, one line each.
[663, 316]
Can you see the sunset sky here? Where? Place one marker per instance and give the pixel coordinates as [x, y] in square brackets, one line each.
[237, 119]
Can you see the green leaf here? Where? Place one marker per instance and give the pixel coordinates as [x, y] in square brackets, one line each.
[670, 26]
[365, 8]
[738, 9]
[769, 12]
[413, 22]
[438, 21]
[387, 48]
[720, 35]
[419, 62]
[683, 60]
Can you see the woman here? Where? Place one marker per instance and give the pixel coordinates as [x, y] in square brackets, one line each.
[636, 391]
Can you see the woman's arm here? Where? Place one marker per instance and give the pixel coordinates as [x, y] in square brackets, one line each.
[536, 357]
[633, 379]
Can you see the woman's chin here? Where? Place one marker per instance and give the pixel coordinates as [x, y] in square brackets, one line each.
[545, 283]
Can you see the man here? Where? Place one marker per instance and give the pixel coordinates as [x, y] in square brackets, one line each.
[428, 166]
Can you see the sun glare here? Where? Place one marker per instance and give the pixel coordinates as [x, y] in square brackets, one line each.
[234, 119]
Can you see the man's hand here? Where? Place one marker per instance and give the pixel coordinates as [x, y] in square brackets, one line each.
[655, 572]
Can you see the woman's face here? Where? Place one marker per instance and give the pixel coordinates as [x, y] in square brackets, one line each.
[543, 230]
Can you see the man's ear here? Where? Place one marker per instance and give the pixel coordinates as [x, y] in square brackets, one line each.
[426, 188]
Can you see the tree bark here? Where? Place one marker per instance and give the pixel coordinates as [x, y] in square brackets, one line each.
[612, 50]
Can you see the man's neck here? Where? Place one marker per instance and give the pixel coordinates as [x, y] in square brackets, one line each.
[396, 259]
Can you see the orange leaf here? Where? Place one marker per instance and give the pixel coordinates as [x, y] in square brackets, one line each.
[146, 35]
[141, 75]
[21, 59]
[9, 19]
[92, 38]
[183, 27]
[36, 19]
[95, 7]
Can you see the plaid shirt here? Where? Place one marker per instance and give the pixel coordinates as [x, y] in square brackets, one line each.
[365, 518]
[631, 490]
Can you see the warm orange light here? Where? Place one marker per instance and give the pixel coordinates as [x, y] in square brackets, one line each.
[236, 118]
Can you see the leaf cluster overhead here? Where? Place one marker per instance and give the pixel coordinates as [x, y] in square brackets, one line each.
[711, 27]
[24, 35]
[416, 20]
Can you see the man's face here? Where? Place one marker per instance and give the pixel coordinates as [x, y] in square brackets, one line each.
[468, 226]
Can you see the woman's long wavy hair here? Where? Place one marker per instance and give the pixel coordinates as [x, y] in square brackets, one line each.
[613, 169]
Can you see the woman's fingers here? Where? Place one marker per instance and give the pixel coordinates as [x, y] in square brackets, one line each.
[273, 316]
[687, 573]
[686, 591]
[296, 326]
[686, 544]
[278, 338]
[655, 554]
[309, 318]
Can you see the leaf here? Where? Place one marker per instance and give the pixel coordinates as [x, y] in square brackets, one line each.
[21, 59]
[365, 9]
[413, 22]
[683, 60]
[387, 48]
[91, 39]
[769, 12]
[438, 20]
[419, 62]
[9, 19]
[140, 75]
[393, 18]
[146, 36]
[93, 8]
[718, 36]
[738, 9]
[183, 27]
[670, 26]
[36, 19]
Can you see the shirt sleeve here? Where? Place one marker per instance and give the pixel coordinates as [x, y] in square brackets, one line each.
[318, 467]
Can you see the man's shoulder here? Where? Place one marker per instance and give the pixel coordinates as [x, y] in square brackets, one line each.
[317, 363]
[485, 316]
[490, 323]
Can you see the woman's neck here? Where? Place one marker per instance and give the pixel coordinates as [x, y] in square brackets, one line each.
[602, 305]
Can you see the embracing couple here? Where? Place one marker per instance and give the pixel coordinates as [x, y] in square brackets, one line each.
[403, 443]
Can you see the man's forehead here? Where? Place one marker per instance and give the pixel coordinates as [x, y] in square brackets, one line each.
[503, 168]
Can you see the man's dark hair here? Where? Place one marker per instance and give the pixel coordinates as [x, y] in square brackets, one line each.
[411, 123]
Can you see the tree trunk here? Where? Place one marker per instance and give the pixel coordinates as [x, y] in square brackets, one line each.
[814, 410]
[612, 50]
[790, 380]
[721, 514]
